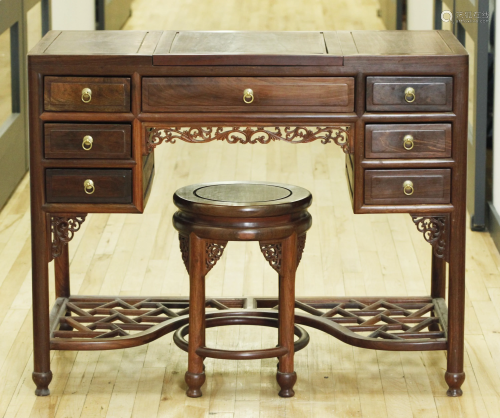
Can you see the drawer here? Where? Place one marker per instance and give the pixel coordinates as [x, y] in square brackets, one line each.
[79, 140]
[408, 141]
[87, 94]
[109, 186]
[279, 94]
[386, 187]
[430, 94]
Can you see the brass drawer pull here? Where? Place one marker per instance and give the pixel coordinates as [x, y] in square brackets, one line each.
[248, 96]
[410, 95]
[87, 142]
[86, 95]
[408, 188]
[408, 142]
[88, 186]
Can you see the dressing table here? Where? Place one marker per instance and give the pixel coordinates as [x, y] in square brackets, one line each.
[395, 102]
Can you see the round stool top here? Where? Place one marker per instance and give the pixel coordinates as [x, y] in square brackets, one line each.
[242, 199]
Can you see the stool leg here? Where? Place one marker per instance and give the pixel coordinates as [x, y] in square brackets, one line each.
[195, 376]
[286, 375]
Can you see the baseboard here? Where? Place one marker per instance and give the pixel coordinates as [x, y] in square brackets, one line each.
[494, 224]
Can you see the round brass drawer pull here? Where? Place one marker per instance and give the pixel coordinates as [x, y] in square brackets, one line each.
[408, 142]
[408, 188]
[248, 96]
[88, 186]
[87, 142]
[410, 95]
[86, 95]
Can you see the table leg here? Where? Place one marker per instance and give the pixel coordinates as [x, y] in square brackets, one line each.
[438, 282]
[41, 325]
[61, 268]
[195, 376]
[455, 375]
[286, 375]
[438, 277]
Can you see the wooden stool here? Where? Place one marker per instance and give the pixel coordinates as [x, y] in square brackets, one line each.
[212, 214]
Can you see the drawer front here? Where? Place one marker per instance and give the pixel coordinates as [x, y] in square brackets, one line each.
[386, 187]
[108, 186]
[430, 94]
[205, 94]
[78, 140]
[87, 94]
[408, 141]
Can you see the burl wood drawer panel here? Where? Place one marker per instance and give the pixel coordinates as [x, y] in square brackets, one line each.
[80, 140]
[387, 187]
[70, 186]
[276, 94]
[408, 94]
[408, 141]
[87, 94]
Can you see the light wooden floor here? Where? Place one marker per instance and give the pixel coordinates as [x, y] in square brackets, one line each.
[345, 255]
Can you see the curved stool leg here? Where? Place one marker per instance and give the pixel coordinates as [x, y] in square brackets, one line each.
[195, 376]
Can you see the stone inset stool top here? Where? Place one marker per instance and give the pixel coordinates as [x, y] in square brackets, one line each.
[241, 211]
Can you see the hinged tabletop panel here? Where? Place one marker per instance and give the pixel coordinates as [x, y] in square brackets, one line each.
[246, 48]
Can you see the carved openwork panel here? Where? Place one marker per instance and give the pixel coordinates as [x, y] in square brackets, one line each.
[435, 229]
[63, 229]
[385, 323]
[340, 134]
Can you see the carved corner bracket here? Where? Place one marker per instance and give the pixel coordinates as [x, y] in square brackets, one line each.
[63, 229]
[273, 254]
[436, 231]
[341, 134]
[213, 252]
[301, 244]
[184, 246]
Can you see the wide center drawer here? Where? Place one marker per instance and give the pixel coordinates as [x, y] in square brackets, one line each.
[88, 186]
[407, 187]
[81, 140]
[276, 94]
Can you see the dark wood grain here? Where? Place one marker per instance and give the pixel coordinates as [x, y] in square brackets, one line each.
[111, 186]
[386, 141]
[386, 94]
[65, 140]
[386, 186]
[108, 94]
[202, 94]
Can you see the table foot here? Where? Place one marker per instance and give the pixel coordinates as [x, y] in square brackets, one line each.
[286, 382]
[42, 381]
[454, 381]
[195, 382]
